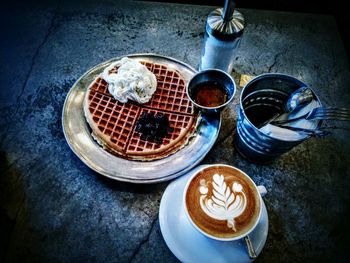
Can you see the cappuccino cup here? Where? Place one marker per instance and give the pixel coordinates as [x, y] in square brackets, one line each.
[222, 202]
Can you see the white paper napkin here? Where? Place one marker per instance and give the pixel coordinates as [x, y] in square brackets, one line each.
[289, 135]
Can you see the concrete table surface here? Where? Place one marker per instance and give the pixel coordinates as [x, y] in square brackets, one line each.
[56, 209]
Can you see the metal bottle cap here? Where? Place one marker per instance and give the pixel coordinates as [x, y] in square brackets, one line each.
[225, 23]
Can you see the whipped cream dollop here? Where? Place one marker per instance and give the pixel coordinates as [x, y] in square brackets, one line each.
[225, 203]
[132, 81]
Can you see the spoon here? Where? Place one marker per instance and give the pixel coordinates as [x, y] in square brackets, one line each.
[251, 250]
[298, 98]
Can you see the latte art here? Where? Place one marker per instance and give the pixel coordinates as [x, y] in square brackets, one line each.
[222, 202]
[225, 203]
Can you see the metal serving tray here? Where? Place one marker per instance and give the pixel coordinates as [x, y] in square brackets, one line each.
[78, 135]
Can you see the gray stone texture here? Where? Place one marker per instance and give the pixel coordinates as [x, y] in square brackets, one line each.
[53, 208]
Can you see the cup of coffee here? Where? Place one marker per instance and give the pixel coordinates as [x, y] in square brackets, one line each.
[222, 202]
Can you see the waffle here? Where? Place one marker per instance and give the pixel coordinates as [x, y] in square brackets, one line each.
[113, 123]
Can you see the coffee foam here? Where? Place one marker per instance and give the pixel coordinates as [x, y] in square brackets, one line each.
[222, 202]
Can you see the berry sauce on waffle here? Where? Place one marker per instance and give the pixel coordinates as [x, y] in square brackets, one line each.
[114, 124]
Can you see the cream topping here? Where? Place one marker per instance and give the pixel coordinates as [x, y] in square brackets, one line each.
[132, 81]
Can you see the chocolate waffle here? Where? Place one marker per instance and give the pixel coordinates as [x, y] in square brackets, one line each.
[113, 123]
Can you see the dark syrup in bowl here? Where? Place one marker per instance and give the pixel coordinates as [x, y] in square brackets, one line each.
[210, 94]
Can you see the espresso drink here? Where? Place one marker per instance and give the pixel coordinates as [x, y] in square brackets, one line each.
[223, 202]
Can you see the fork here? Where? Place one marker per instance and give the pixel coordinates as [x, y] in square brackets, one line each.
[320, 113]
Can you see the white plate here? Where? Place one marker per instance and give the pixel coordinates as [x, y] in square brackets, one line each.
[188, 244]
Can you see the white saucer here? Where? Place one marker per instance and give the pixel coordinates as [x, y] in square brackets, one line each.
[188, 244]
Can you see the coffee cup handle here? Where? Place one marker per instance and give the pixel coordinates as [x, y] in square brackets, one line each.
[262, 190]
